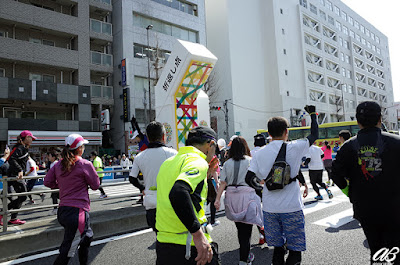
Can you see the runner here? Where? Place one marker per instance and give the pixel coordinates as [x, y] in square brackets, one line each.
[344, 135]
[73, 175]
[183, 235]
[370, 162]
[17, 160]
[327, 160]
[98, 166]
[149, 162]
[259, 141]
[242, 204]
[282, 208]
[53, 158]
[31, 171]
[316, 168]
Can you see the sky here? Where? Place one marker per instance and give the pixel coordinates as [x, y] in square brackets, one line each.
[383, 15]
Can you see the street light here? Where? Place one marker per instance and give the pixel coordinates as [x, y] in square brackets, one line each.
[148, 68]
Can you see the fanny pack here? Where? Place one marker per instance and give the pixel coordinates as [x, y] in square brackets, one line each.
[279, 176]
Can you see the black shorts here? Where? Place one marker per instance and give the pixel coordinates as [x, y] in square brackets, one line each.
[315, 176]
[173, 254]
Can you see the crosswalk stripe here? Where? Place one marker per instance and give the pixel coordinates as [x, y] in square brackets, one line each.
[320, 205]
[337, 220]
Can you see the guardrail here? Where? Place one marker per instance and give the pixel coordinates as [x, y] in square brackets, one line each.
[5, 195]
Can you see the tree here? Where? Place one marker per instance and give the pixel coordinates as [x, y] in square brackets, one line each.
[212, 86]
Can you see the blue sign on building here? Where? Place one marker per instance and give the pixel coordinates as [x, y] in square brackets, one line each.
[123, 72]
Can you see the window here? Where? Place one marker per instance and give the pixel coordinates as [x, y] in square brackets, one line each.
[350, 20]
[346, 44]
[33, 40]
[347, 59]
[367, 32]
[369, 44]
[344, 16]
[180, 5]
[362, 28]
[352, 34]
[322, 2]
[313, 9]
[378, 50]
[331, 20]
[283, 31]
[344, 87]
[337, 10]
[329, 5]
[142, 51]
[322, 14]
[35, 77]
[48, 42]
[342, 56]
[281, 11]
[2, 34]
[49, 78]
[344, 72]
[303, 3]
[286, 72]
[358, 38]
[372, 36]
[338, 25]
[350, 89]
[345, 30]
[2, 72]
[356, 24]
[341, 41]
[363, 41]
[284, 51]
[377, 39]
[348, 74]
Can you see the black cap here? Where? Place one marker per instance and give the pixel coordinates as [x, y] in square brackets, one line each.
[259, 140]
[368, 109]
[202, 132]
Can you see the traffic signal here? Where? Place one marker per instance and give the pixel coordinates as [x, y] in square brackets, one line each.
[216, 107]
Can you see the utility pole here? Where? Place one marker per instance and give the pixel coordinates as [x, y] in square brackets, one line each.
[226, 119]
[149, 27]
[145, 105]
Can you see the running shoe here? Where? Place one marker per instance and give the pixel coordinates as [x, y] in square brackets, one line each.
[54, 212]
[103, 196]
[30, 202]
[250, 258]
[319, 197]
[16, 222]
[330, 195]
[216, 223]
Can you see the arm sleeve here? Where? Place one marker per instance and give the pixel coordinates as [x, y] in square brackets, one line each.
[135, 182]
[91, 177]
[308, 159]
[300, 177]
[50, 179]
[252, 181]
[314, 129]
[340, 168]
[182, 204]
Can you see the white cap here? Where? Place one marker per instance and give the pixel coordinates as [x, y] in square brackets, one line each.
[221, 143]
[233, 137]
[75, 140]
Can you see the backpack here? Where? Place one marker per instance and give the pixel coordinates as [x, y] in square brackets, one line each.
[279, 176]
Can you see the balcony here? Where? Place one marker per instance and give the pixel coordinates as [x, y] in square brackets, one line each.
[98, 91]
[101, 62]
[101, 30]
[101, 4]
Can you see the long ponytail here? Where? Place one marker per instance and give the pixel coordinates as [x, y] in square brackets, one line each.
[68, 158]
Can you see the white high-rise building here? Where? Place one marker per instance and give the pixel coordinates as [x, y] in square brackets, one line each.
[277, 56]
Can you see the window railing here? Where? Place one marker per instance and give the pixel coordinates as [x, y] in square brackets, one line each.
[101, 58]
[108, 2]
[100, 27]
[98, 91]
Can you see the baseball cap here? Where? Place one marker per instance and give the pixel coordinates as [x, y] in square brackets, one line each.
[221, 142]
[26, 133]
[203, 132]
[368, 109]
[259, 140]
[75, 140]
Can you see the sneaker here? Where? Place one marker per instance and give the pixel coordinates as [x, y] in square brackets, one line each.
[103, 196]
[250, 258]
[16, 222]
[54, 212]
[330, 195]
[30, 202]
[319, 197]
[42, 196]
[217, 222]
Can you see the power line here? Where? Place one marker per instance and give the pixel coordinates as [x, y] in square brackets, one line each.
[280, 111]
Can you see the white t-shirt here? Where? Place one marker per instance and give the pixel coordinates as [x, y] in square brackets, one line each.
[254, 151]
[314, 153]
[149, 162]
[227, 172]
[124, 163]
[29, 164]
[288, 199]
[53, 163]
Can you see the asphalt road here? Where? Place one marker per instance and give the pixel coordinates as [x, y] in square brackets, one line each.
[333, 237]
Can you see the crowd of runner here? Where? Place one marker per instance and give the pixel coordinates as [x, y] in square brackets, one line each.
[262, 187]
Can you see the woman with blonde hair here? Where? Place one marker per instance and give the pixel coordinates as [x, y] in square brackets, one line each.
[73, 175]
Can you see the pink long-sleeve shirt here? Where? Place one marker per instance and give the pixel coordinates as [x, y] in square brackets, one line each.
[73, 185]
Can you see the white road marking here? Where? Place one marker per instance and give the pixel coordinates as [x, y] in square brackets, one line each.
[313, 207]
[55, 252]
[337, 220]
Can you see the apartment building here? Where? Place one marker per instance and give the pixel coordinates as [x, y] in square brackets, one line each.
[144, 33]
[278, 56]
[56, 69]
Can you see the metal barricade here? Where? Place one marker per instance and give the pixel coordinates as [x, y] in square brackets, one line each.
[5, 195]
